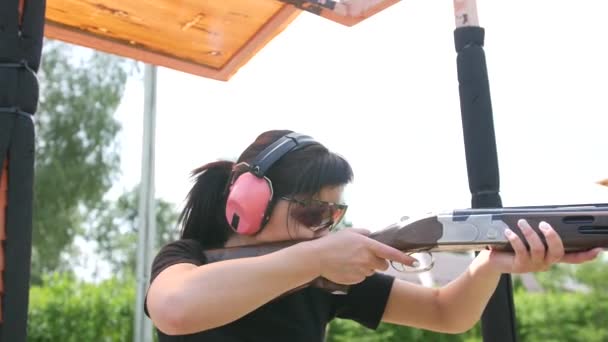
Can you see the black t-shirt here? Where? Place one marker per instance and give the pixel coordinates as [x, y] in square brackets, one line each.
[300, 316]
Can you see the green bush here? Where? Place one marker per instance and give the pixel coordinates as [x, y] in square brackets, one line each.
[347, 331]
[562, 317]
[541, 317]
[64, 309]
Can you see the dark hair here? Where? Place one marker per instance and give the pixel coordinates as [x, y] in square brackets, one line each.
[304, 171]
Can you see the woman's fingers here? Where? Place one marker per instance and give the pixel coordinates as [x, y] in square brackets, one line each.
[538, 257]
[521, 253]
[537, 248]
[555, 247]
[387, 252]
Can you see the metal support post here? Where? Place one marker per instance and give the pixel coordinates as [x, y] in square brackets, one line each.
[146, 245]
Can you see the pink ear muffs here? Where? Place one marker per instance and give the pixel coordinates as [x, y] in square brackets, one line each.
[250, 194]
[247, 203]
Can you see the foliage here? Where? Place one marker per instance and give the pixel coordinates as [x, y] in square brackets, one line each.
[76, 153]
[64, 309]
[591, 275]
[115, 230]
[341, 330]
[67, 310]
[562, 316]
[541, 317]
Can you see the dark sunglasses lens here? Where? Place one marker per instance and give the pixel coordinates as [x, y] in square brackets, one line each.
[318, 214]
[309, 215]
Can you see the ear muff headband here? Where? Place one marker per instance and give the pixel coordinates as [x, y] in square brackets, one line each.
[251, 193]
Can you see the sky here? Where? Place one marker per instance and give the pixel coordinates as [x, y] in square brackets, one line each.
[384, 94]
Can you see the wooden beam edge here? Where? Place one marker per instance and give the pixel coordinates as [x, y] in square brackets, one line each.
[69, 35]
[278, 22]
[273, 27]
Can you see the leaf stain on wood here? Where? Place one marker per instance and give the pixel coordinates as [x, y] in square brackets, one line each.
[197, 18]
[112, 11]
[239, 14]
[122, 14]
[205, 30]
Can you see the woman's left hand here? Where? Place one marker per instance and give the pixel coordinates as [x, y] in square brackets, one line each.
[537, 258]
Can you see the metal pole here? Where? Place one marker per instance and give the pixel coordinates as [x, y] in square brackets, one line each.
[498, 319]
[146, 245]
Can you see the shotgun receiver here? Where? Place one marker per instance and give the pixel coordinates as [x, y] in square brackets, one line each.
[581, 227]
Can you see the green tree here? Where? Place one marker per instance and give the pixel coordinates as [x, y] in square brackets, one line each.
[115, 230]
[76, 149]
[63, 308]
[593, 275]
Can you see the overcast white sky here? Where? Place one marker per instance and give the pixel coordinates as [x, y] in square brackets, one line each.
[384, 94]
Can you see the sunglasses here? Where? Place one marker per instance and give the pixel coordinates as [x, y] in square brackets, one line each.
[316, 214]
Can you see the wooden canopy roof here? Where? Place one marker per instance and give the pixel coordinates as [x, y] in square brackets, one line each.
[201, 37]
[207, 38]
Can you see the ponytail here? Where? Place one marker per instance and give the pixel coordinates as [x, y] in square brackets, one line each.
[203, 218]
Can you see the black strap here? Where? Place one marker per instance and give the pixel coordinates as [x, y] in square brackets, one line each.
[19, 94]
[21, 65]
[9, 20]
[16, 110]
[278, 149]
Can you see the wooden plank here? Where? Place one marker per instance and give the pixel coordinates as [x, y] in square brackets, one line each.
[270, 30]
[206, 38]
[345, 12]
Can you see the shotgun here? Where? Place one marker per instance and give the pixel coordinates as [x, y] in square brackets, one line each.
[580, 226]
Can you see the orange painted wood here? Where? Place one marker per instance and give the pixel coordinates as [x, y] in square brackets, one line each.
[21, 6]
[207, 38]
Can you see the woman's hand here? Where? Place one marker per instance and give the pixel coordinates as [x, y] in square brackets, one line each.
[537, 258]
[349, 256]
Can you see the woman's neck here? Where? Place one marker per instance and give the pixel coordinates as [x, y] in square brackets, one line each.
[241, 240]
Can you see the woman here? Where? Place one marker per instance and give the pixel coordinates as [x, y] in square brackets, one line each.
[287, 186]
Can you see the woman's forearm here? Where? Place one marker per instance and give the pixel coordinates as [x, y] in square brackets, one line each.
[463, 300]
[215, 294]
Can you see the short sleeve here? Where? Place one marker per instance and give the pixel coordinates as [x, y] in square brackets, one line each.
[366, 301]
[176, 252]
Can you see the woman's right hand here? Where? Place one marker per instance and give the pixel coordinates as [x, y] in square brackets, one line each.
[349, 256]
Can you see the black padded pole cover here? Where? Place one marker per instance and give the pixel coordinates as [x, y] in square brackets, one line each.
[21, 39]
[498, 319]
